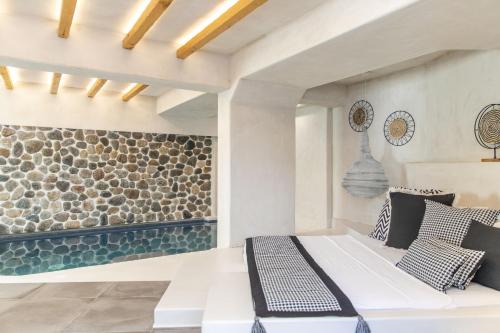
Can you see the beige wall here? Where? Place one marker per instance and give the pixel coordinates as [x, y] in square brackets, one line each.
[444, 98]
[312, 168]
[31, 104]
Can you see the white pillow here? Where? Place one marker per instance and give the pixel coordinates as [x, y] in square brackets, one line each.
[497, 225]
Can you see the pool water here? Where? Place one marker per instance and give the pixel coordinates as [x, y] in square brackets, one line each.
[66, 250]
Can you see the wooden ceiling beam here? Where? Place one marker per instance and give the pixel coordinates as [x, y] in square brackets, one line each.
[134, 91]
[98, 84]
[56, 80]
[4, 72]
[148, 17]
[66, 18]
[234, 14]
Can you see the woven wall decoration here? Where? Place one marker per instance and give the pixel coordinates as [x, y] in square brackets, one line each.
[487, 130]
[399, 128]
[361, 115]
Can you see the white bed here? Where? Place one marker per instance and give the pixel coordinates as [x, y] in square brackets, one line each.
[388, 298]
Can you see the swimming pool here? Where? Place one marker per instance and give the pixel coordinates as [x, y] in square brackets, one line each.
[23, 254]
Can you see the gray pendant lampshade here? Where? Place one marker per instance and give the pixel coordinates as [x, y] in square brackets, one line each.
[366, 177]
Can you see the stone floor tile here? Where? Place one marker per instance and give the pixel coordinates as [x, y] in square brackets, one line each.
[6, 304]
[41, 316]
[72, 290]
[17, 290]
[113, 315]
[137, 289]
[177, 330]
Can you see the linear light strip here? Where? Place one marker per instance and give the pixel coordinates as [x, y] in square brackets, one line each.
[4, 72]
[133, 91]
[218, 25]
[148, 17]
[96, 86]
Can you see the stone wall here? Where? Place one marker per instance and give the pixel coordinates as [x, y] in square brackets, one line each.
[55, 178]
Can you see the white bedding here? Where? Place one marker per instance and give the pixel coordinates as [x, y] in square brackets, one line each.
[475, 295]
[369, 280]
[365, 269]
[390, 300]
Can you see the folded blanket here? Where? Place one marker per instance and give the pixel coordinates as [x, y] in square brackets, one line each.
[287, 282]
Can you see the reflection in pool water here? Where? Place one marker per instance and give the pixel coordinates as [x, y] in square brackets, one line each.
[28, 256]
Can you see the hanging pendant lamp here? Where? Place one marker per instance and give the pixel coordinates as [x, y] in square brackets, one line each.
[366, 177]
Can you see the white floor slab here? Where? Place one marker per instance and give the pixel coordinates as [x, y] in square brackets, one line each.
[229, 300]
[183, 303]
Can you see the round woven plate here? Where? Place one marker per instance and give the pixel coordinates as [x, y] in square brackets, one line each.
[361, 116]
[399, 128]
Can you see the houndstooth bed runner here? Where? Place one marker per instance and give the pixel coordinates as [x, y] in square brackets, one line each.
[287, 282]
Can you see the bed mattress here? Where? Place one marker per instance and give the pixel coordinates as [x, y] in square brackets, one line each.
[388, 298]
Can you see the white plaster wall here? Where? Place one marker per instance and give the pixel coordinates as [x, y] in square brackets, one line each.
[31, 104]
[444, 98]
[256, 166]
[312, 168]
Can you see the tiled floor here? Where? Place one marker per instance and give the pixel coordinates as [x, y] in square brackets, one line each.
[88, 307]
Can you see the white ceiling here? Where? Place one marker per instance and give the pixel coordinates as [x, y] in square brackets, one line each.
[379, 72]
[179, 18]
[390, 35]
[204, 106]
[177, 21]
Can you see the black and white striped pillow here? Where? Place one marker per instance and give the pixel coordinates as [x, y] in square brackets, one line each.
[434, 265]
[466, 272]
[451, 224]
[381, 230]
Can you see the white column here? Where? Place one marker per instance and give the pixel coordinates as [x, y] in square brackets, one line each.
[256, 164]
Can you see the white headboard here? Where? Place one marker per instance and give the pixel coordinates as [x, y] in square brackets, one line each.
[477, 184]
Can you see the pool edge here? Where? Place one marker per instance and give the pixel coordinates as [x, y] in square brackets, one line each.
[103, 229]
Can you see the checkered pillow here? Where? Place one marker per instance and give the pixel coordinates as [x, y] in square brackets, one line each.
[381, 230]
[451, 224]
[466, 272]
[434, 265]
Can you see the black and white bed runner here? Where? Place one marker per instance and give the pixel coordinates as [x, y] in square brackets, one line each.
[287, 282]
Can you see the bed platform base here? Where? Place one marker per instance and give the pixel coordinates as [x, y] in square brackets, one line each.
[229, 310]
